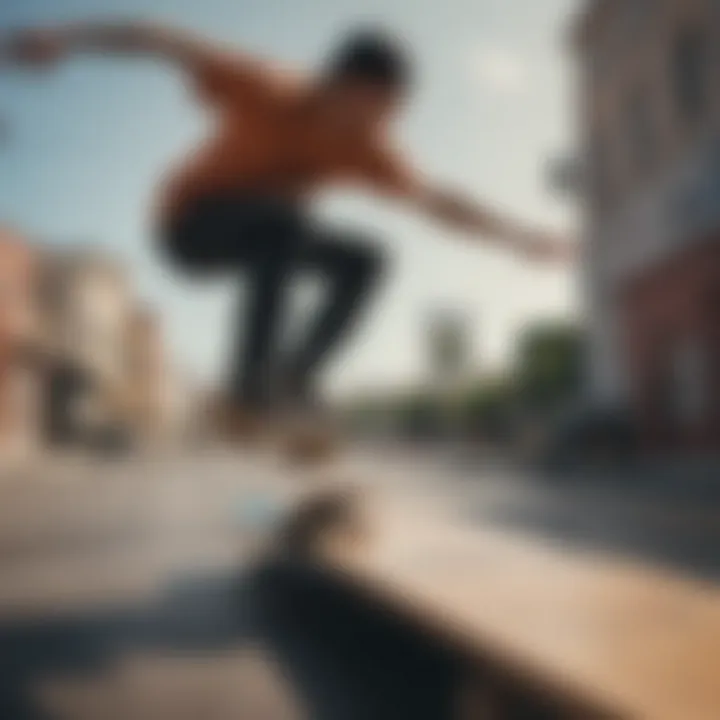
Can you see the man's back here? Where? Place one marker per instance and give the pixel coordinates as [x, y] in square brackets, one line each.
[273, 135]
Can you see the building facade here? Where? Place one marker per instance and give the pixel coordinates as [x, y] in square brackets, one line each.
[649, 113]
[145, 376]
[86, 305]
[19, 371]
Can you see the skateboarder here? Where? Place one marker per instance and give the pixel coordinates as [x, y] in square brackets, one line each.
[241, 201]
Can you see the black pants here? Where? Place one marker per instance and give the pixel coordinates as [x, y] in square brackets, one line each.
[269, 240]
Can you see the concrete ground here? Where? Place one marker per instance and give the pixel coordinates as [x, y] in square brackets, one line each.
[131, 590]
[134, 590]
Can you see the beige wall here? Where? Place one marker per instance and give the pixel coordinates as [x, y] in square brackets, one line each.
[145, 373]
[87, 305]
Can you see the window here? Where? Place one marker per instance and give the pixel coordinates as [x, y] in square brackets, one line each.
[690, 382]
[601, 195]
[639, 15]
[690, 74]
[641, 132]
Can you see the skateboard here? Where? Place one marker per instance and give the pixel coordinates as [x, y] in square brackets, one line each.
[331, 518]
[310, 445]
[302, 441]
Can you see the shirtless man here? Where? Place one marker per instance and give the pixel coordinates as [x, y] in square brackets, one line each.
[241, 201]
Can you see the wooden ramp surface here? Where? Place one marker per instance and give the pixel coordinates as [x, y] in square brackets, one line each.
[634, 642]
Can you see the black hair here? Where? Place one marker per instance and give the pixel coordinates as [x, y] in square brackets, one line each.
[374, 56]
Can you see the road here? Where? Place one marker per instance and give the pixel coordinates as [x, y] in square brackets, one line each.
[671, 524]
[132, 585]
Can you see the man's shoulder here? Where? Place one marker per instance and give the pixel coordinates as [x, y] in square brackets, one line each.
[282, 82]
[283, 76]
[238, 74]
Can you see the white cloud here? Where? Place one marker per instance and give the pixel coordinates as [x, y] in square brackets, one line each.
[499, 70]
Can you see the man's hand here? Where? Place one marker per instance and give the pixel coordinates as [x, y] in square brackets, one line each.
[34, 48]
[39, 47]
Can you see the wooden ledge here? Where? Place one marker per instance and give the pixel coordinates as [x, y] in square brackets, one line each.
[626, 640]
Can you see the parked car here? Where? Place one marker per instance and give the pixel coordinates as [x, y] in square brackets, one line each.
[591, 438]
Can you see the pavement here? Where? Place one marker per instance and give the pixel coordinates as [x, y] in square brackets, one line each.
[134, 587]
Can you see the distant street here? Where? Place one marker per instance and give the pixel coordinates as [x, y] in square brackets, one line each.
[642, 517]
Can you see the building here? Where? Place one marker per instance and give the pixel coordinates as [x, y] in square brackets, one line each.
[19, 371]
[145, 374]
[185, 403]
[649, 112]
[86, 306]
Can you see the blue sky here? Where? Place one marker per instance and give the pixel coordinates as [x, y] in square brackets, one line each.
[89, 140]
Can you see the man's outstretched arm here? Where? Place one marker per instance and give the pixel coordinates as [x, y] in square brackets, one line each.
[461, 213]
[41, 46]
[387, 173]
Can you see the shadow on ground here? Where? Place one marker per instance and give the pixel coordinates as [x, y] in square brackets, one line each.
[345, 660]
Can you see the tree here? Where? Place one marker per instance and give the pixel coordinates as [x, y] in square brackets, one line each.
[549, 365]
